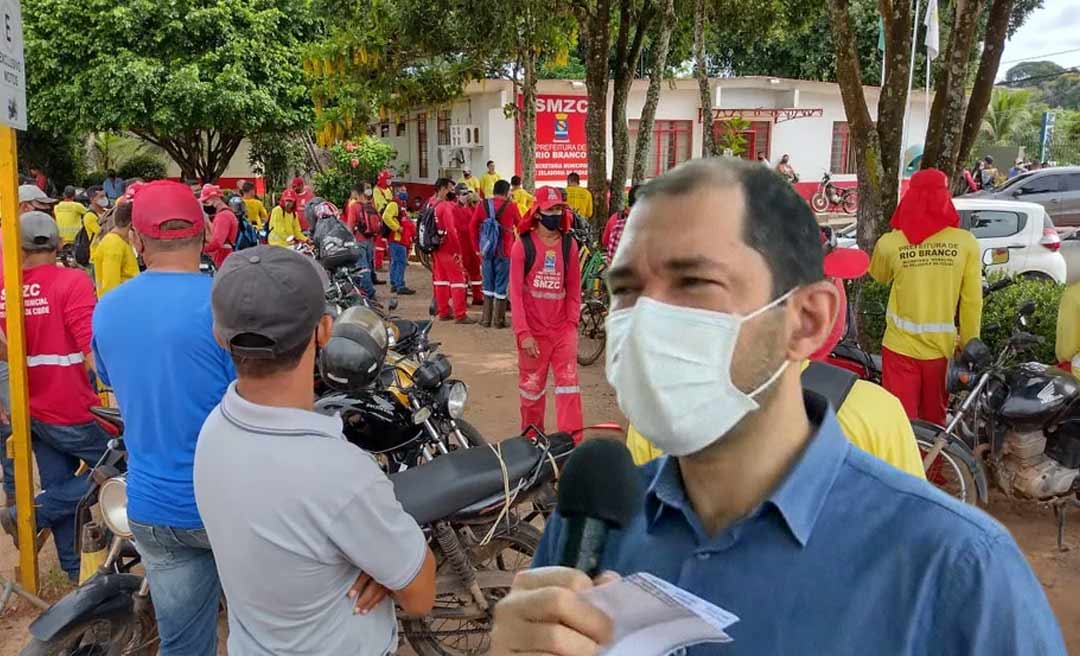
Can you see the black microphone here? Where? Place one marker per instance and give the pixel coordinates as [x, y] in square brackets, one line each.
[599, 491]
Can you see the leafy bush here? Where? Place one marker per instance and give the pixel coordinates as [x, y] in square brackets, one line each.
[92, 179]
[276, 157]
[145, 166]
[334, 185]
[351, 164]
[999, 315]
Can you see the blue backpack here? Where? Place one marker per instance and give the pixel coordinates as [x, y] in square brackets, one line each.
[491, 231]
[246, 235]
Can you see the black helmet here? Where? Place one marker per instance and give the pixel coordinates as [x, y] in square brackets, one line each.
[354, 355]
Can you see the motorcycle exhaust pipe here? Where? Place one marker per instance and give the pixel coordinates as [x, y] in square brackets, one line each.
[94, 551]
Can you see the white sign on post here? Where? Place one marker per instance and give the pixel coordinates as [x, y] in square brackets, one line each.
[12, 66]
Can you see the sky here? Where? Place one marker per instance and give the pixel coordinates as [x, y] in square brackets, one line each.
[1053, 29]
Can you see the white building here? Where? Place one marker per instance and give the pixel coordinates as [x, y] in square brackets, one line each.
[803, 119]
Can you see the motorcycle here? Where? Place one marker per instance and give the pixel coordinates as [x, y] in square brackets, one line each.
[829, 196]
[465, 502]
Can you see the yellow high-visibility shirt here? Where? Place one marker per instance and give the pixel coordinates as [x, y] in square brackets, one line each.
[580, 200]
[69, 219]
[93, 228]
[930, 282]
[256, 212]
[1067, 344]
[382, 198]
[282, 226]
[114, 263]
[871, 418]
[390, 218]
[523, 199]
[473, 183]
[487, 184]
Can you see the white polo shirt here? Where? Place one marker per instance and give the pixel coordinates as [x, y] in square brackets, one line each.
[294, 513]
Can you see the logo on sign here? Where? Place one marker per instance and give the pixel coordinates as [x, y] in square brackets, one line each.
[549, 261]
[562, 127]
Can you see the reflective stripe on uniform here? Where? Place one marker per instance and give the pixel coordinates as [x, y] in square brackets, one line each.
[920, 328]
[529, 396]
[457, 285]
[54, 359]
[572, 389]
[440, 283]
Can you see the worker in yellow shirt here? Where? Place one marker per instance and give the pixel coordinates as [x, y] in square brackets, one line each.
[69, 216]
[284, 223]
[488, 180]
[523, 199]
[577, 197]
[935, 270]
[91, 220]
[114, 258]
[470, 181]
[256, 211]
[1067, 345]
[383, 194]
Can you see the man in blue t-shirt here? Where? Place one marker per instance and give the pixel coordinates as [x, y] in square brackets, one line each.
[154, 344]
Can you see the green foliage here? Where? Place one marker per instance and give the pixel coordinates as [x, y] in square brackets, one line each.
[92, 179]
[277, 157]
[352, 163]
[145, 166]
[109, 150]
[998, 320]
[59, 154]
[1034, 69]
[192, 76]
[733, 135]
[573, 69]
[1006, 116]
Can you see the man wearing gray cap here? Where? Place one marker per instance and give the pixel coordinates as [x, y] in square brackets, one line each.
[311, 544]
[58, 305]
[33, 198]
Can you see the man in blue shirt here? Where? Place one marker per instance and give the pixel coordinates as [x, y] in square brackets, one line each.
[154, 344]
[763, 508]
[113, 186]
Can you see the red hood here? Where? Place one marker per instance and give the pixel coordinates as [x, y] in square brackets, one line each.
[288, 195]
[384, 180]
[926, 209]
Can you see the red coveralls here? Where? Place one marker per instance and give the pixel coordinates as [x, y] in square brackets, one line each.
[469, 261]
[222, 236]
[380, 251]
[547, 308]
[447, 274]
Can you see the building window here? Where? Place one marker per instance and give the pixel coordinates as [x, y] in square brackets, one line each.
[669, 146]
[421, 145]
[401, 129]
[842, 158]
[442, 127]
[756, 138]
[384, 129]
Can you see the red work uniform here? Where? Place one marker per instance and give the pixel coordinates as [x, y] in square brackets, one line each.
[613, 233]
[469, 260]
[448, 275]
[222, 236]
[547, 306]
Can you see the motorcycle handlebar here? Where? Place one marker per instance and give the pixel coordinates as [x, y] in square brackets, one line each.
[999, 285]
[1025, 340]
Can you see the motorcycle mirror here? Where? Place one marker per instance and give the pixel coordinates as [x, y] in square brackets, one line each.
[995, 256]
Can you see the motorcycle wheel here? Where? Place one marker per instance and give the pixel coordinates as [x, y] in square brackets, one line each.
[850, 201]
[446, 631]
[425, 258]
[471, 433]
[592, 335]
[819, 202]
[948, 472]
[104, 636]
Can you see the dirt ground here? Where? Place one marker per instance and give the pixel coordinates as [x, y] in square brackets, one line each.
[485, 359]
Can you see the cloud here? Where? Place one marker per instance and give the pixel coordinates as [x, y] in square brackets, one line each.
[1047, 31]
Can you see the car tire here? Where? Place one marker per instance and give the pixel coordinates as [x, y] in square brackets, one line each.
[1037, 276]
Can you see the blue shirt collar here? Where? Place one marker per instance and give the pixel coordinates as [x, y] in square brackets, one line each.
[800, 496]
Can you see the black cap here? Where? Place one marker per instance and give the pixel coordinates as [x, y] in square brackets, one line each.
[269, 296]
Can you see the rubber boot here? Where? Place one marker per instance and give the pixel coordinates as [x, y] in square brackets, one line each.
[499, 319]
[485, 316]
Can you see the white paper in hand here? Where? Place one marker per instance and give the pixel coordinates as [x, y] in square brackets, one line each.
[653, 617]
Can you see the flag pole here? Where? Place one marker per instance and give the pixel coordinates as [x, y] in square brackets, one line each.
[910, 81]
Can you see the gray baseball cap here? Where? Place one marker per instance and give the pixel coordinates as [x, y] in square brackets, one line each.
[31, 193]
[38, 232]
[267, 301]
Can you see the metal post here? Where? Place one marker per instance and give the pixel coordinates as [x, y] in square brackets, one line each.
[910, 80]
[16, 346]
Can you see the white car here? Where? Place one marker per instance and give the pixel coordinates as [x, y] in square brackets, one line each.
[1023, 229]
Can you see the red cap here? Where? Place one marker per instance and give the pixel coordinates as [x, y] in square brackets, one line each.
[297, 182]
[166, 200]
[209, 192]
[549, 198]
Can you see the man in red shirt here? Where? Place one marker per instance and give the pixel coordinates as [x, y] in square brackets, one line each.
[545, 292]
[495, 266]
[224, 222]
[469, 260]
[303, 195]
[358, 219]
[58, 305]
[448, 274]
[614, 228]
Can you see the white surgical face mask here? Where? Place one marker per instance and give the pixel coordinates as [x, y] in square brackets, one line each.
[671, 370]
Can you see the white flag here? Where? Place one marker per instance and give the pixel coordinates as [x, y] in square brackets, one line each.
[933, 28]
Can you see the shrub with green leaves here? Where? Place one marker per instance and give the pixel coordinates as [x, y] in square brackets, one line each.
[145, 166]
[1000, 311]
[352, 163]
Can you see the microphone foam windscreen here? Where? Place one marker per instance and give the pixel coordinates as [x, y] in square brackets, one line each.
[601, 481]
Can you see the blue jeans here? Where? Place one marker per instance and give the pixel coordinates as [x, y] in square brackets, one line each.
[399, 259]
[58, 450]
[184, 586]
[364, 267]
[496, 274]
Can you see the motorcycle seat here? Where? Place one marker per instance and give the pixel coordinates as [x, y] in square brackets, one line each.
[109, 416]
[450, 483]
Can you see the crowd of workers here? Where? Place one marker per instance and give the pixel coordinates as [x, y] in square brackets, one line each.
[713, 337]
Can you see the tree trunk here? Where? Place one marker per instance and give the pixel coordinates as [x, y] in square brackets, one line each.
[871, 174]
[627, 54]
[892, 105]
[708, 145]
[596, 36]
[527, 142]
[997, 29]
[665, 27]
[947, 113]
